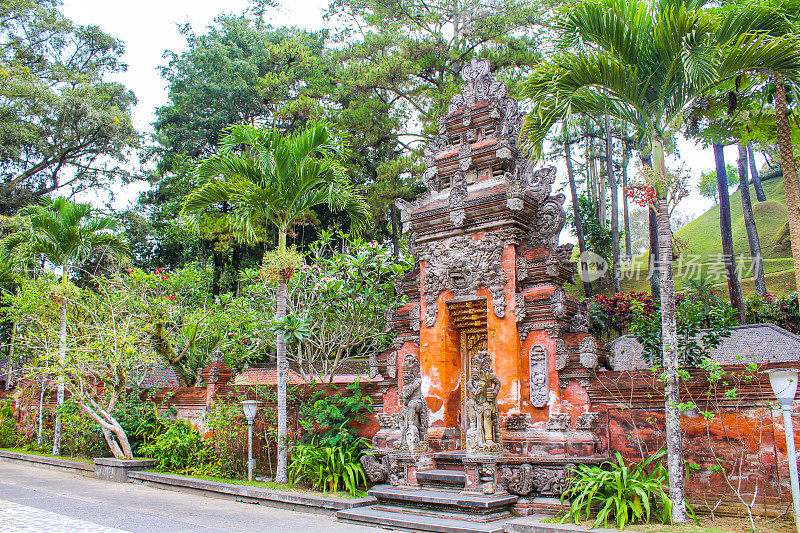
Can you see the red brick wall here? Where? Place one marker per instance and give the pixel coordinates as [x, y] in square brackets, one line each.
[744, 437]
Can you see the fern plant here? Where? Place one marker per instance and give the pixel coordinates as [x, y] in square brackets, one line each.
[627, 493]
[328, 468]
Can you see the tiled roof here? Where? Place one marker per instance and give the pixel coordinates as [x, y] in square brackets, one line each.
[158, 377]
[265, 376]
[751, 343]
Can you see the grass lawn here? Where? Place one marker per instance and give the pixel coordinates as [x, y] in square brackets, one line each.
[724, 524]
[271, 485]
[44, 454]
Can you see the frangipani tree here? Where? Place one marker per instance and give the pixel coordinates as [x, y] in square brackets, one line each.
[65, 233]
[107, 349]
[648, 63]
[266, 178]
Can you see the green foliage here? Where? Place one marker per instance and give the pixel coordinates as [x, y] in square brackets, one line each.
[330, 419]
[598, 237]
[615, 490]
[708, 182]
[329, 468]
[692, 316]
[80, 435]
[782, 311]
[65, 126]
[9, 437]
[178, 449]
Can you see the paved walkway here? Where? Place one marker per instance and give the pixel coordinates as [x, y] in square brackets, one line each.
[43, 500]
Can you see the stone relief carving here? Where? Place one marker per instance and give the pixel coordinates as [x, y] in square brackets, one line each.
[561, 354]
[552, 481]
[519, 306]
[388, 420]
[478, 85]
[391, 364]
[518, 480]
[525, 479]
[523, 264]
[510, 235]
[430, 178]
[464, 155]
[379, 472]
[518, 421]
[483, 435]
[461, 265]
[413, 318]
[588, 352]
[558, 422]
[515, 192]
[556, 257]
[548, 221]
[388, 320]
[579, 323]
[558, 303]
[551, 328]
[539, 391]
[373, 365]
[588, 421]
[413, 417]
[458, 193]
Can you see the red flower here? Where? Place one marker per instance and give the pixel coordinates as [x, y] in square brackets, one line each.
[171, 297]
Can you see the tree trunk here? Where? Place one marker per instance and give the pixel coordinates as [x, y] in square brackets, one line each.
[217, 275]
[789, 173]
[236, 266]
[652, 226]
[728, 255]
[395, 232]
[612, 180]
[576, 213]
[669, 349]
[280, 472]
[625, 217]
[41, 416]
[760, 195]
[62, 357]
[750, 225]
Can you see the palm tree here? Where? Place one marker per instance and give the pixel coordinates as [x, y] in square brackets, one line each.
[65, 233]
[750, 221]
[266, 177]
[647, 63]
[789, 172]
[726, 232]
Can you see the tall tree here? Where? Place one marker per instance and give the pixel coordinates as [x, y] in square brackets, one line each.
[576, 217]
[750, 224]
[64, 126]
[789, 171]
[728, 254]
[64, 233]
[754, 175]
[265, 175]
[612, 180]
[646, 63]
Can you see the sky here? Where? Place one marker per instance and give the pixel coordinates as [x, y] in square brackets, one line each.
[150, 27]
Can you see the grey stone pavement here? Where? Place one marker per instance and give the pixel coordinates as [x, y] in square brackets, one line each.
[42, 500]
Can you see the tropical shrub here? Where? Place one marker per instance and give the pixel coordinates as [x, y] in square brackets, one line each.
[330, 419]
[700, 328]
[616, 312]
[782, 311]
[8, 433]
[626, 493]
[329, 468]
[80, 435]
[178, 449]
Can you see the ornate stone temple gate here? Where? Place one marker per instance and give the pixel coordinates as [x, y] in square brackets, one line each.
[492, 355]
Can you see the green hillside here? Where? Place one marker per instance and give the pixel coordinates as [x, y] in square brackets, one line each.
[700, 244]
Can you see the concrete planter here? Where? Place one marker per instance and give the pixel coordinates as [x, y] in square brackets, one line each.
[117, 470]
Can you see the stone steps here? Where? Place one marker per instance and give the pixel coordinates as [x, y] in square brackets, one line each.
[408, 521]
[451, 500]
[451, 479]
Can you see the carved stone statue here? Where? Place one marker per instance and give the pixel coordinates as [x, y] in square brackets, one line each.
[483, 435]
[414, 411]
[380, 472]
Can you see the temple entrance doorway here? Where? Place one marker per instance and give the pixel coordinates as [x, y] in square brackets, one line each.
[469, 316]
